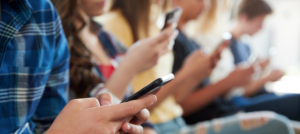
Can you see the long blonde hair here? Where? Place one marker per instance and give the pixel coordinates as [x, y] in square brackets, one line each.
[138, 14]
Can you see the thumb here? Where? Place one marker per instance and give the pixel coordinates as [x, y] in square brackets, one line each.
[105, 99]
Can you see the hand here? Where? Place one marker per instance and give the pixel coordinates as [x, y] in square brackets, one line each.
[264, 63]
[87, 116]
[275, 75]
[216, 55]
[240, 76]
[145, 53]
[201, 65]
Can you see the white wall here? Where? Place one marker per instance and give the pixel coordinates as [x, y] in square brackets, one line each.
[282, 31]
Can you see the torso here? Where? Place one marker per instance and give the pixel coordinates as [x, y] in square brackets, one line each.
[93, 44]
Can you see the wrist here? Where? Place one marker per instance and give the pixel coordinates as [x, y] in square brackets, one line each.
[265, 79]
[128, 69]
[192, 74]
[228, 83]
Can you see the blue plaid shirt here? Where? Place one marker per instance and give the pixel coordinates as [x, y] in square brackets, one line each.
[34, 60]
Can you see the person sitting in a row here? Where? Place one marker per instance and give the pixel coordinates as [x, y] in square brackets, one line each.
[167, 115]
[34, 79]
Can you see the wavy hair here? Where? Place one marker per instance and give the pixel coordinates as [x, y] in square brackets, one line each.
[82, 78]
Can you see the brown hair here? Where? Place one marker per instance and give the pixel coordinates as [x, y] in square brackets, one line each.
[137, 13]
[82, 78]
[254, 8]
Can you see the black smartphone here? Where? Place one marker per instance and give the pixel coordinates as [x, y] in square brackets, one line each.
[152, 88]
[173, 16]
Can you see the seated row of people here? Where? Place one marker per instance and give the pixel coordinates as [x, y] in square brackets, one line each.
[100, 64]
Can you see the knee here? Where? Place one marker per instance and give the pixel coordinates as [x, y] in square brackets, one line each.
[277, 121]
[265, 119]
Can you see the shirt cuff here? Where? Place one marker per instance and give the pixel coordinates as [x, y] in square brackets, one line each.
[237, 92]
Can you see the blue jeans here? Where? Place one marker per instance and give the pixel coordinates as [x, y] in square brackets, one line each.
[172, 126]
[244, 123]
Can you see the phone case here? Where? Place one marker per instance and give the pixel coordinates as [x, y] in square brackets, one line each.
[150, 88]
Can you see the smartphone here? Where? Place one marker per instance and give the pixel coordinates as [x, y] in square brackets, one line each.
[173, 16]
[225, 37]
[152, 88]
[253, 58]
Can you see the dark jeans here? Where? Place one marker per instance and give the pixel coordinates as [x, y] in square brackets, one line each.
[287, 105]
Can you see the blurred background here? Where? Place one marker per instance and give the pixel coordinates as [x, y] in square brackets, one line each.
[279, 39]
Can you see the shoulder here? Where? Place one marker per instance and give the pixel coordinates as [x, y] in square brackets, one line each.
[43, 11]
[116, 23]
[118, 46]
[185, 44]
[111, 17]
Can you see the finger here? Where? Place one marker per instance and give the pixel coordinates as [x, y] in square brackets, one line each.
[85, 103]
[140, 117]
[251, 69]
[132, 129]
[171, 42]
[164, 35]
[128, 109]
[164, 47]
[221, 47]
[105, 99]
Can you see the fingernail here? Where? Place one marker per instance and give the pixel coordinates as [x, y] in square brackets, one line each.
[174, 25]
[154, 99]
[106, 103]
[128, 127]
[175, 34]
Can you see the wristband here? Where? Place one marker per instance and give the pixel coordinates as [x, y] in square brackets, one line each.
[99, 89]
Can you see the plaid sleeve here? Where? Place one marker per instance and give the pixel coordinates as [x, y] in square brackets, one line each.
[55, 96]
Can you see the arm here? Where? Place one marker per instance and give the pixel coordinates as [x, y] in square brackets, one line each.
[200, 98]
[254, 86]
[207, 64]
[143, 55]
[186, 79]
[120, 80]
[181, 81]
[55, 95]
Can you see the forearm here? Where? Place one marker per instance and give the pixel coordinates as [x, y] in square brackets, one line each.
[254, 87]
[120, 80]
[203, 97]
[186, 87]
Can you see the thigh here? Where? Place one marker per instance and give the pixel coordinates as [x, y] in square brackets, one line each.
[172, 126]
[287, 105]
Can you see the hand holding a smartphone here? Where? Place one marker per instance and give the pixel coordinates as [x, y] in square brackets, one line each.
[90, 116]
[173, 17]
[216, 55]
[199, 64]
[145, 53]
